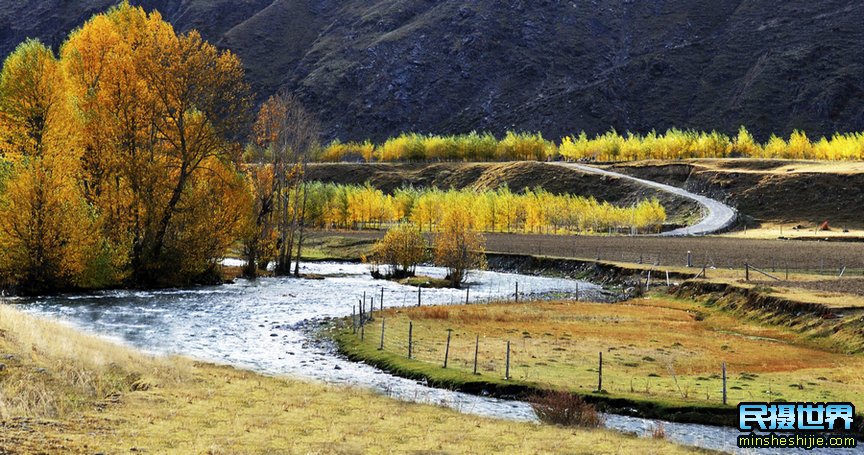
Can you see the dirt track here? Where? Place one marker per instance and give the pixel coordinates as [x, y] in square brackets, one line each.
[718, 216]
[828, 257]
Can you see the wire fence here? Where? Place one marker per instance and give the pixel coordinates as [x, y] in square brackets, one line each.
[514, 355]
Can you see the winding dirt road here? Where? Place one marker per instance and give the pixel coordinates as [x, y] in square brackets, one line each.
[718, 216]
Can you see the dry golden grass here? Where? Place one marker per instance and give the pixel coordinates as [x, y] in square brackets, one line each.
[52, 371]
[78, 405]
[655, 348]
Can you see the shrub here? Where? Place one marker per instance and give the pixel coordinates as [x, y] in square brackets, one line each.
[658, 432]
[567, 409]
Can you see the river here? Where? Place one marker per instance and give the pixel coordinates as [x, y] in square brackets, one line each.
[268, 326]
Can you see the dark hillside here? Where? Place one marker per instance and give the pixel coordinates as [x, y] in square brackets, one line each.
[374, 68]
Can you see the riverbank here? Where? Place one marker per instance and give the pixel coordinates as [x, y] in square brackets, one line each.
[663, 357]
[63, 391]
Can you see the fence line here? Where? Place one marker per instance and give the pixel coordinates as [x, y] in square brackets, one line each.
[511, 363]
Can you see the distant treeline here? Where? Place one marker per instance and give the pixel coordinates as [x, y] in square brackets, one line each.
[611, 146]
[532, 211]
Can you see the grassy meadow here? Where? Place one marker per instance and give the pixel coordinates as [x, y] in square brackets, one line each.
[655, 349]
[65, 392]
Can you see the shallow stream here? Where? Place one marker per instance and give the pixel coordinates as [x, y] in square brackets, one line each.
[268, 326]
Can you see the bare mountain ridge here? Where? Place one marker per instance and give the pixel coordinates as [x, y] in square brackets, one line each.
[374, 68]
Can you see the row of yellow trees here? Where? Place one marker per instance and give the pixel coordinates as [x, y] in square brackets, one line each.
[611, 146]
[119, 156]
[532, 211]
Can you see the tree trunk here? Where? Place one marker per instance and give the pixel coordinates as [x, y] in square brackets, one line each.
[302, 225]
[250, 270]
[155, 251]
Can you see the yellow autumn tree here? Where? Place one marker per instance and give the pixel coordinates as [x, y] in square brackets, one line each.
[46, 234]
[745, 145]
[458, 246]
[162, 113]
[45, 227]
[400, 251]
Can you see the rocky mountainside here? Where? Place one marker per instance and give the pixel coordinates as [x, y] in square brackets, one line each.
[373, 68]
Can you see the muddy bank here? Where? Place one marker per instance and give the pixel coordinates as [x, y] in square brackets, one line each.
[619, 283]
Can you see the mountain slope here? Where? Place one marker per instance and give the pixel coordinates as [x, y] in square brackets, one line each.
[373, 68]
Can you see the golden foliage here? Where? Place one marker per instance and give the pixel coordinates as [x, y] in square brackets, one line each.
[610, 146]
[35, 117]
[47, 238]
[401, 249]
[159, 112]
[458, 246]
[119, 155]
[46, 227]
[532, 211]
[466, 147]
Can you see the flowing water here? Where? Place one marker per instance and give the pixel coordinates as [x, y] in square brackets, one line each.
[268, 326]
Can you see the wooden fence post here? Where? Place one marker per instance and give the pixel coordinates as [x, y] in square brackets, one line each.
[724, 383]
[381, 348]
[362, 331]
[354, 319]
[668, 283]
[577, 290]
[746, 272]
[410, 337]
[467, 291]
[381, 302]
[600, 374]
[507, 363]
[517, 292]
[648, 281]
[476, 352]
[689, 259]
[447, 349]
[418, 294]
[371, 306]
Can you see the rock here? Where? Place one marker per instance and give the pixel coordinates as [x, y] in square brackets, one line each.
[274, 335]
[2, 367]
[337, 367]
